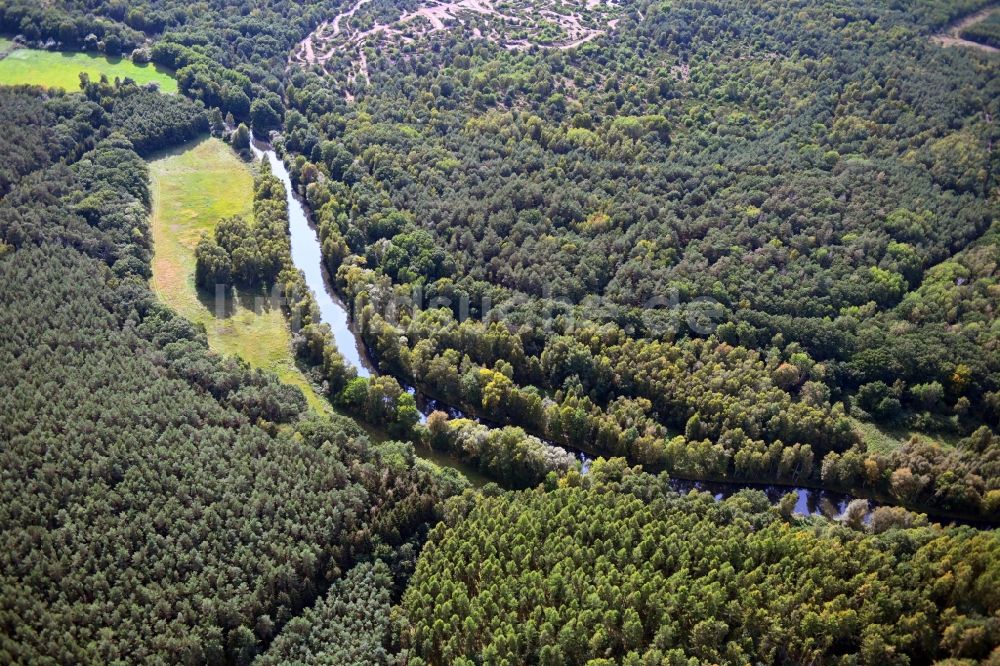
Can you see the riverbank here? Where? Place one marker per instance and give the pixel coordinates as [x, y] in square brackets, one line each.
[813, 498]
[193, 187]
[307, 257]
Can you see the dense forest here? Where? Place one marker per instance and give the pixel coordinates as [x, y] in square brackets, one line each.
[614, 569]
[160, 503]
[51, 129]
[718, 197]
[699, 239]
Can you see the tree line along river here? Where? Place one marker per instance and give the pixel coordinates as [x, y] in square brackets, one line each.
[307, 257]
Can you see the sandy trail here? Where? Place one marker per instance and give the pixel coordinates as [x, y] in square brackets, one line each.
[952, 35]
[432, 16]
[349, 13]
[305, 51]
[364, 65]
[580, 40]
[337, 35]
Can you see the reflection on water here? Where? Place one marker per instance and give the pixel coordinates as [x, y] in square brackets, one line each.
[811, 502]
[308, 258]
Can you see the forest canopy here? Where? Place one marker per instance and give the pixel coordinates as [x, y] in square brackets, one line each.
[827, 189]
[159, 502]
[619, 570]
[592, 251]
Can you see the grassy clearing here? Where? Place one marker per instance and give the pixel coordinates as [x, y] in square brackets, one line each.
[883, 439]
[437, 459]
[193, 187]
[5, 45]
[61, 69]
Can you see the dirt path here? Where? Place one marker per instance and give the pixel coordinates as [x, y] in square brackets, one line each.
[305, 51]
[431, 16]
[952, 35]
[580, 40]
[348, 14]
[363, 64]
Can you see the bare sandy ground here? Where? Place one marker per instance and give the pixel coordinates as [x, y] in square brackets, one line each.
[578, 22]
[952, 35]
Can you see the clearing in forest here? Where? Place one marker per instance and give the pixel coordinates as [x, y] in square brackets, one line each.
[61, 69]
[884, 439]
[193, 187]
[559, 24]
[954, 34]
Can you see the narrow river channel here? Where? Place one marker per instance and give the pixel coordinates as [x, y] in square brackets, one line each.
[307, 257]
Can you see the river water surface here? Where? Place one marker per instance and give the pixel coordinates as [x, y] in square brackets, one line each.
[307, 257]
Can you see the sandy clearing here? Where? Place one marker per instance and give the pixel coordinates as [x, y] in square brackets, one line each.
[430, 16]
[952, 35]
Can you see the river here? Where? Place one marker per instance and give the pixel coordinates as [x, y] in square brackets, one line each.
[307, 257]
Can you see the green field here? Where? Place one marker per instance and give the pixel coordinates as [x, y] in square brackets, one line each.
[61, 69]
[193, 187]
[884, 439]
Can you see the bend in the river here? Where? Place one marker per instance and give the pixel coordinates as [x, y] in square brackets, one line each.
[307, 257]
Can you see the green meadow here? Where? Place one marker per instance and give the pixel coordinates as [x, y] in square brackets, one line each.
[61, 69]
[193, 187]
[882, 438]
